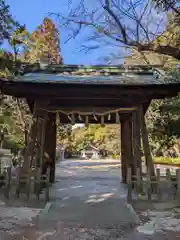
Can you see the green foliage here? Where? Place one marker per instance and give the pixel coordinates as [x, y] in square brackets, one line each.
[163, 116]
[171, 36]
[15, 114]
[163, 121]
[7, 22]
[166, 160]
[19, 40]
[6, 67]
[106, 138]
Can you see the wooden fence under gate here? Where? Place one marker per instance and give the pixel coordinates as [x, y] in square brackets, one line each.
[31, 184]
[158, 187]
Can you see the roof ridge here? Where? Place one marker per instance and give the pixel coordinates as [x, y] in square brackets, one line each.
[86, 69]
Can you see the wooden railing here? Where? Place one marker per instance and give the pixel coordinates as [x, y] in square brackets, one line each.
[158, 187]
[31, 184]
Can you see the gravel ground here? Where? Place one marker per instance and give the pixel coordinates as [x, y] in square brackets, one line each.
[14, 220]
[61, 232]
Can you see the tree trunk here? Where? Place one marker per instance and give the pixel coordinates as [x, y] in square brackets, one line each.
[165, 50]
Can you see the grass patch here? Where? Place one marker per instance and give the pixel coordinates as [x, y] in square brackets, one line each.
[167, 160]
[160, 160]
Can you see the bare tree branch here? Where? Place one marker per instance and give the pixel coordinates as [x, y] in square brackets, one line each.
[119, 24]
[129, 23]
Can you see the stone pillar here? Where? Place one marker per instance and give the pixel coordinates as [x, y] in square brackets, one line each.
[61, 155]
[83, 155]
[95, 155]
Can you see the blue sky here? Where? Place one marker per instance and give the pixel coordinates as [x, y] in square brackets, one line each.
[32, 12]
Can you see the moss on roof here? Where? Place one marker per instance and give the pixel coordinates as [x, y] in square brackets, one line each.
[107, 74]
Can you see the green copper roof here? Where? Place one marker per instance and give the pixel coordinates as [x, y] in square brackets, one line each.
[93, 74]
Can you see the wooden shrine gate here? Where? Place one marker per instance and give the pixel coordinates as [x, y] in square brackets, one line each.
[96, 94]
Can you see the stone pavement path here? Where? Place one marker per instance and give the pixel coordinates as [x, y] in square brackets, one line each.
[88, 196]
[90, 193]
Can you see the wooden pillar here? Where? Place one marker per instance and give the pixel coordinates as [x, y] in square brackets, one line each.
[38, 143]
[123, 153]
[146, 147]
[50, 146]
[25, 135]
[42, 140]
[126, 145]
[29, 151]
[41, 123]
[136, 139]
